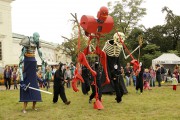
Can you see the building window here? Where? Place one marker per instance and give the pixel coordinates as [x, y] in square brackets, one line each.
[0, 50]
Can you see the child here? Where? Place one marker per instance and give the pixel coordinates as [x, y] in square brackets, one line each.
[14, 76]
[146, 77]
[174, 82]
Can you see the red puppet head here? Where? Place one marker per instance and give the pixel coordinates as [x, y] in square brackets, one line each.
[102, 14]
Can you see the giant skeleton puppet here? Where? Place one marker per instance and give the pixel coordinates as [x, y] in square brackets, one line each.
[113, 49]
[29, 89]
[94, 29]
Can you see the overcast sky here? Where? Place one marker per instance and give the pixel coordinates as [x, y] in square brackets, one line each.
[51, 18]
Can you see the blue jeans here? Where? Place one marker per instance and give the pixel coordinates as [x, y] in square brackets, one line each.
[127, 80]
[152, 82]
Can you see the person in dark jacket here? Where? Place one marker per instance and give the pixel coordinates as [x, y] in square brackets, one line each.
[117, 78]
[59, 86]
[139, 80]
[86, 85]
[7, 77]
[158, 74]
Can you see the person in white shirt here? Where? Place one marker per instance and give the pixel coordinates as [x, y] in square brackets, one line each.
[68, 76]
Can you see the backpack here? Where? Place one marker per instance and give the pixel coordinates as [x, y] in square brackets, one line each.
[163, 70]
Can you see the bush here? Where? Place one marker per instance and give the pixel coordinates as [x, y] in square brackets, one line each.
[1, 79]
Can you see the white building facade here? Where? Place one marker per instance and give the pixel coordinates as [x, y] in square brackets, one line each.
[10, 49]
[5, 32]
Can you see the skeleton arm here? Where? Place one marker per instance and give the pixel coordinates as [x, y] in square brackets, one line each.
[140, 39]
[130, 53]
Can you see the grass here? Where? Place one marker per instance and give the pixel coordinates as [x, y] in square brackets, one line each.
[158, 104]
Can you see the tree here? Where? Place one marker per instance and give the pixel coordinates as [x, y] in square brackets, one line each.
[133, 39]
[156, 35]
[70, 46]
[174, 51]
[172, 27]
[126, 14]
[166, 36]
[150, 52]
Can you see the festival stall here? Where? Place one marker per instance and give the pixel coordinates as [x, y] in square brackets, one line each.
[168, 60]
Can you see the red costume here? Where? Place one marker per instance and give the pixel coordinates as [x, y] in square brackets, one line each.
[94, 28]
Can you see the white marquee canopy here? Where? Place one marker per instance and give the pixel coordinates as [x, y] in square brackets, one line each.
[166, 59]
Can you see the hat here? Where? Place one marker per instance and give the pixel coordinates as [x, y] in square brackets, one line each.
[60, 64]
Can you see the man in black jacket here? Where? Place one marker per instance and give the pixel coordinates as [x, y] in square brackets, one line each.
[59, 86]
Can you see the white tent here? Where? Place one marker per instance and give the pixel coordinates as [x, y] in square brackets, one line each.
[169, 60]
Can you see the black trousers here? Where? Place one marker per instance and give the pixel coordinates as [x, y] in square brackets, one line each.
[59, 90]
[7, 83]
[99, 90]
[118, 89]
[15, 84]
[158, 77]
[68, 84]
[139, 84]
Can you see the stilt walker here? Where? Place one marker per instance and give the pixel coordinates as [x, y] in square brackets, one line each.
[28, 68]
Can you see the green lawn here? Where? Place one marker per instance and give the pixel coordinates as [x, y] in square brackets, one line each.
[157, 104]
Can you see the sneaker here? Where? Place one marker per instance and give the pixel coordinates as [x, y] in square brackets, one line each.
[24, 111]
[35, 109]
[68, 102]
[118, 101]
